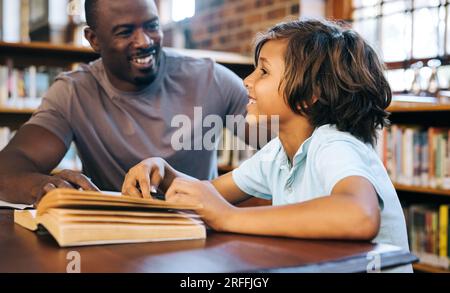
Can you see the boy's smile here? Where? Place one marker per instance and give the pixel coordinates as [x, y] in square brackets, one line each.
[251, 101]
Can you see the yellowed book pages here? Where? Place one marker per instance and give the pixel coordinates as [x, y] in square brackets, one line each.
[77, 218]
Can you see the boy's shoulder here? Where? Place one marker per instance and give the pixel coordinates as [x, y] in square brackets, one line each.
[329, 134]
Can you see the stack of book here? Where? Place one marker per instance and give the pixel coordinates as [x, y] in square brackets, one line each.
[5, 137]
[428, 231]
[76, 218]
[416, 156]
[25, 87]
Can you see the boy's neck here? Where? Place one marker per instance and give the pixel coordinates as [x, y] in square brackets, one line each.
[293, 133]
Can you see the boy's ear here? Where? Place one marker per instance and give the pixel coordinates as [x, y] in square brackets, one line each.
[91, 36]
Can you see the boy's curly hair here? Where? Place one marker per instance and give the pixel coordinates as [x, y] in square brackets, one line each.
[334, 65]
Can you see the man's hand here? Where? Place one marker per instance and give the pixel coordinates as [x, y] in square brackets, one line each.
[69, 179]
[35, 185]
[146, 176]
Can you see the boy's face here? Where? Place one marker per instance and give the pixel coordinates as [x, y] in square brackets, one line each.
[265, 96]
[128, 37]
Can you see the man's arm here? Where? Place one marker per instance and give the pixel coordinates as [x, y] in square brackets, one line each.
[26, 162]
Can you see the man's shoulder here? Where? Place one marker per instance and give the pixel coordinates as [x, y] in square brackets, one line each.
[192, 63]
[177, 55]
[81, 73]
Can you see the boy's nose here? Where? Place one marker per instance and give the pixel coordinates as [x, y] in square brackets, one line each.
[247, 83]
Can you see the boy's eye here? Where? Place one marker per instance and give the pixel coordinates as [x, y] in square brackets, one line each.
[263, 71]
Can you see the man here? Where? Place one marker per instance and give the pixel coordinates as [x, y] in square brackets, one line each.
[118, 109]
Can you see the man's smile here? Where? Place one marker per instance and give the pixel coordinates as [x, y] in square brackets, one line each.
[144, 61]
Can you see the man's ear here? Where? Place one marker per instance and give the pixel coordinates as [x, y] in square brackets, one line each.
[91, 36]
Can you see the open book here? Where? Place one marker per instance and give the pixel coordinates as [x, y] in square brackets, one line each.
[76, 218]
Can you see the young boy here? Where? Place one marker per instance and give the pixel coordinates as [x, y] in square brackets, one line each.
[325, 180]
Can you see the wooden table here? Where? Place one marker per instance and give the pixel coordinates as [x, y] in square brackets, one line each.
[25, 251]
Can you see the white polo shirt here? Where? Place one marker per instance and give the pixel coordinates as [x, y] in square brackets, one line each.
[324, 159]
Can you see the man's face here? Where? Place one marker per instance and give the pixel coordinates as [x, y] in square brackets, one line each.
[128, 37]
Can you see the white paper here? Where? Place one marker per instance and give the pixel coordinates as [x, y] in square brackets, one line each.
[14, 206]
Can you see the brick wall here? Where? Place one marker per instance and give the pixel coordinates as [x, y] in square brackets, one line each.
[231, 25]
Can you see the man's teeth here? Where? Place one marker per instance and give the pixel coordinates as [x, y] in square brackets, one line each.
[143, 60]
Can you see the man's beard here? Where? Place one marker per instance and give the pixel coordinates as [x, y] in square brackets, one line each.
[143, 81]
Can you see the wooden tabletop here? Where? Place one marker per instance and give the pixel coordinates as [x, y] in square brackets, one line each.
[25, 251]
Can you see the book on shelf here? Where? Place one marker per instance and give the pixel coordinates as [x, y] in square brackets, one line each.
[428, 232]
[233, 150]
[24, 87]
[416, 156]
[78, 218]
[5, 136]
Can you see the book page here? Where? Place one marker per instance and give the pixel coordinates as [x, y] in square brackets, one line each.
[4, 204]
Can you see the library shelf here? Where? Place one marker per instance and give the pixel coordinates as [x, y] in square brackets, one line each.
[422, 189]
[9, 110]
[399, 107]
[421, 267]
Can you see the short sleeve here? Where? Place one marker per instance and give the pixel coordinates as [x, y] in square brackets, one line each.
[54, 112]
[339, 159]
[252, 175]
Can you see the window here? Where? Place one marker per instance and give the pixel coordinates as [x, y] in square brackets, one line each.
[182, 9]
[405, 33]
[404, 29]
[176, 10]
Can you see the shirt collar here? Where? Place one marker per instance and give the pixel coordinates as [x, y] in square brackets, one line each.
[299, 155]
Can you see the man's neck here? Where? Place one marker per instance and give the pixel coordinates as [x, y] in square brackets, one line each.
[125, 86]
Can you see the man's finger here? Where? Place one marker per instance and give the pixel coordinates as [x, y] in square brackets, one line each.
[48, 187]
[144, 184]
[77, 179]
[133, 192]
[60, 183]
[155, 178]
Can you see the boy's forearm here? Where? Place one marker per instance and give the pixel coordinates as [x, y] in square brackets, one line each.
[324, 218]
[169, 175]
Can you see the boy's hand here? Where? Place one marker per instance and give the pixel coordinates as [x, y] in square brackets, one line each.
[215, 209]
[147, 175]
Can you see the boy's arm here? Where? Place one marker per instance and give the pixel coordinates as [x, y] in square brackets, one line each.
[228, 189]
[156, 172]
[350, 212]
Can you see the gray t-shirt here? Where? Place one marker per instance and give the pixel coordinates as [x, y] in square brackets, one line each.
[114, 130]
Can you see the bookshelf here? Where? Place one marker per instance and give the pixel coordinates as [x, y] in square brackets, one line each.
[423, 268]
[402, 107]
